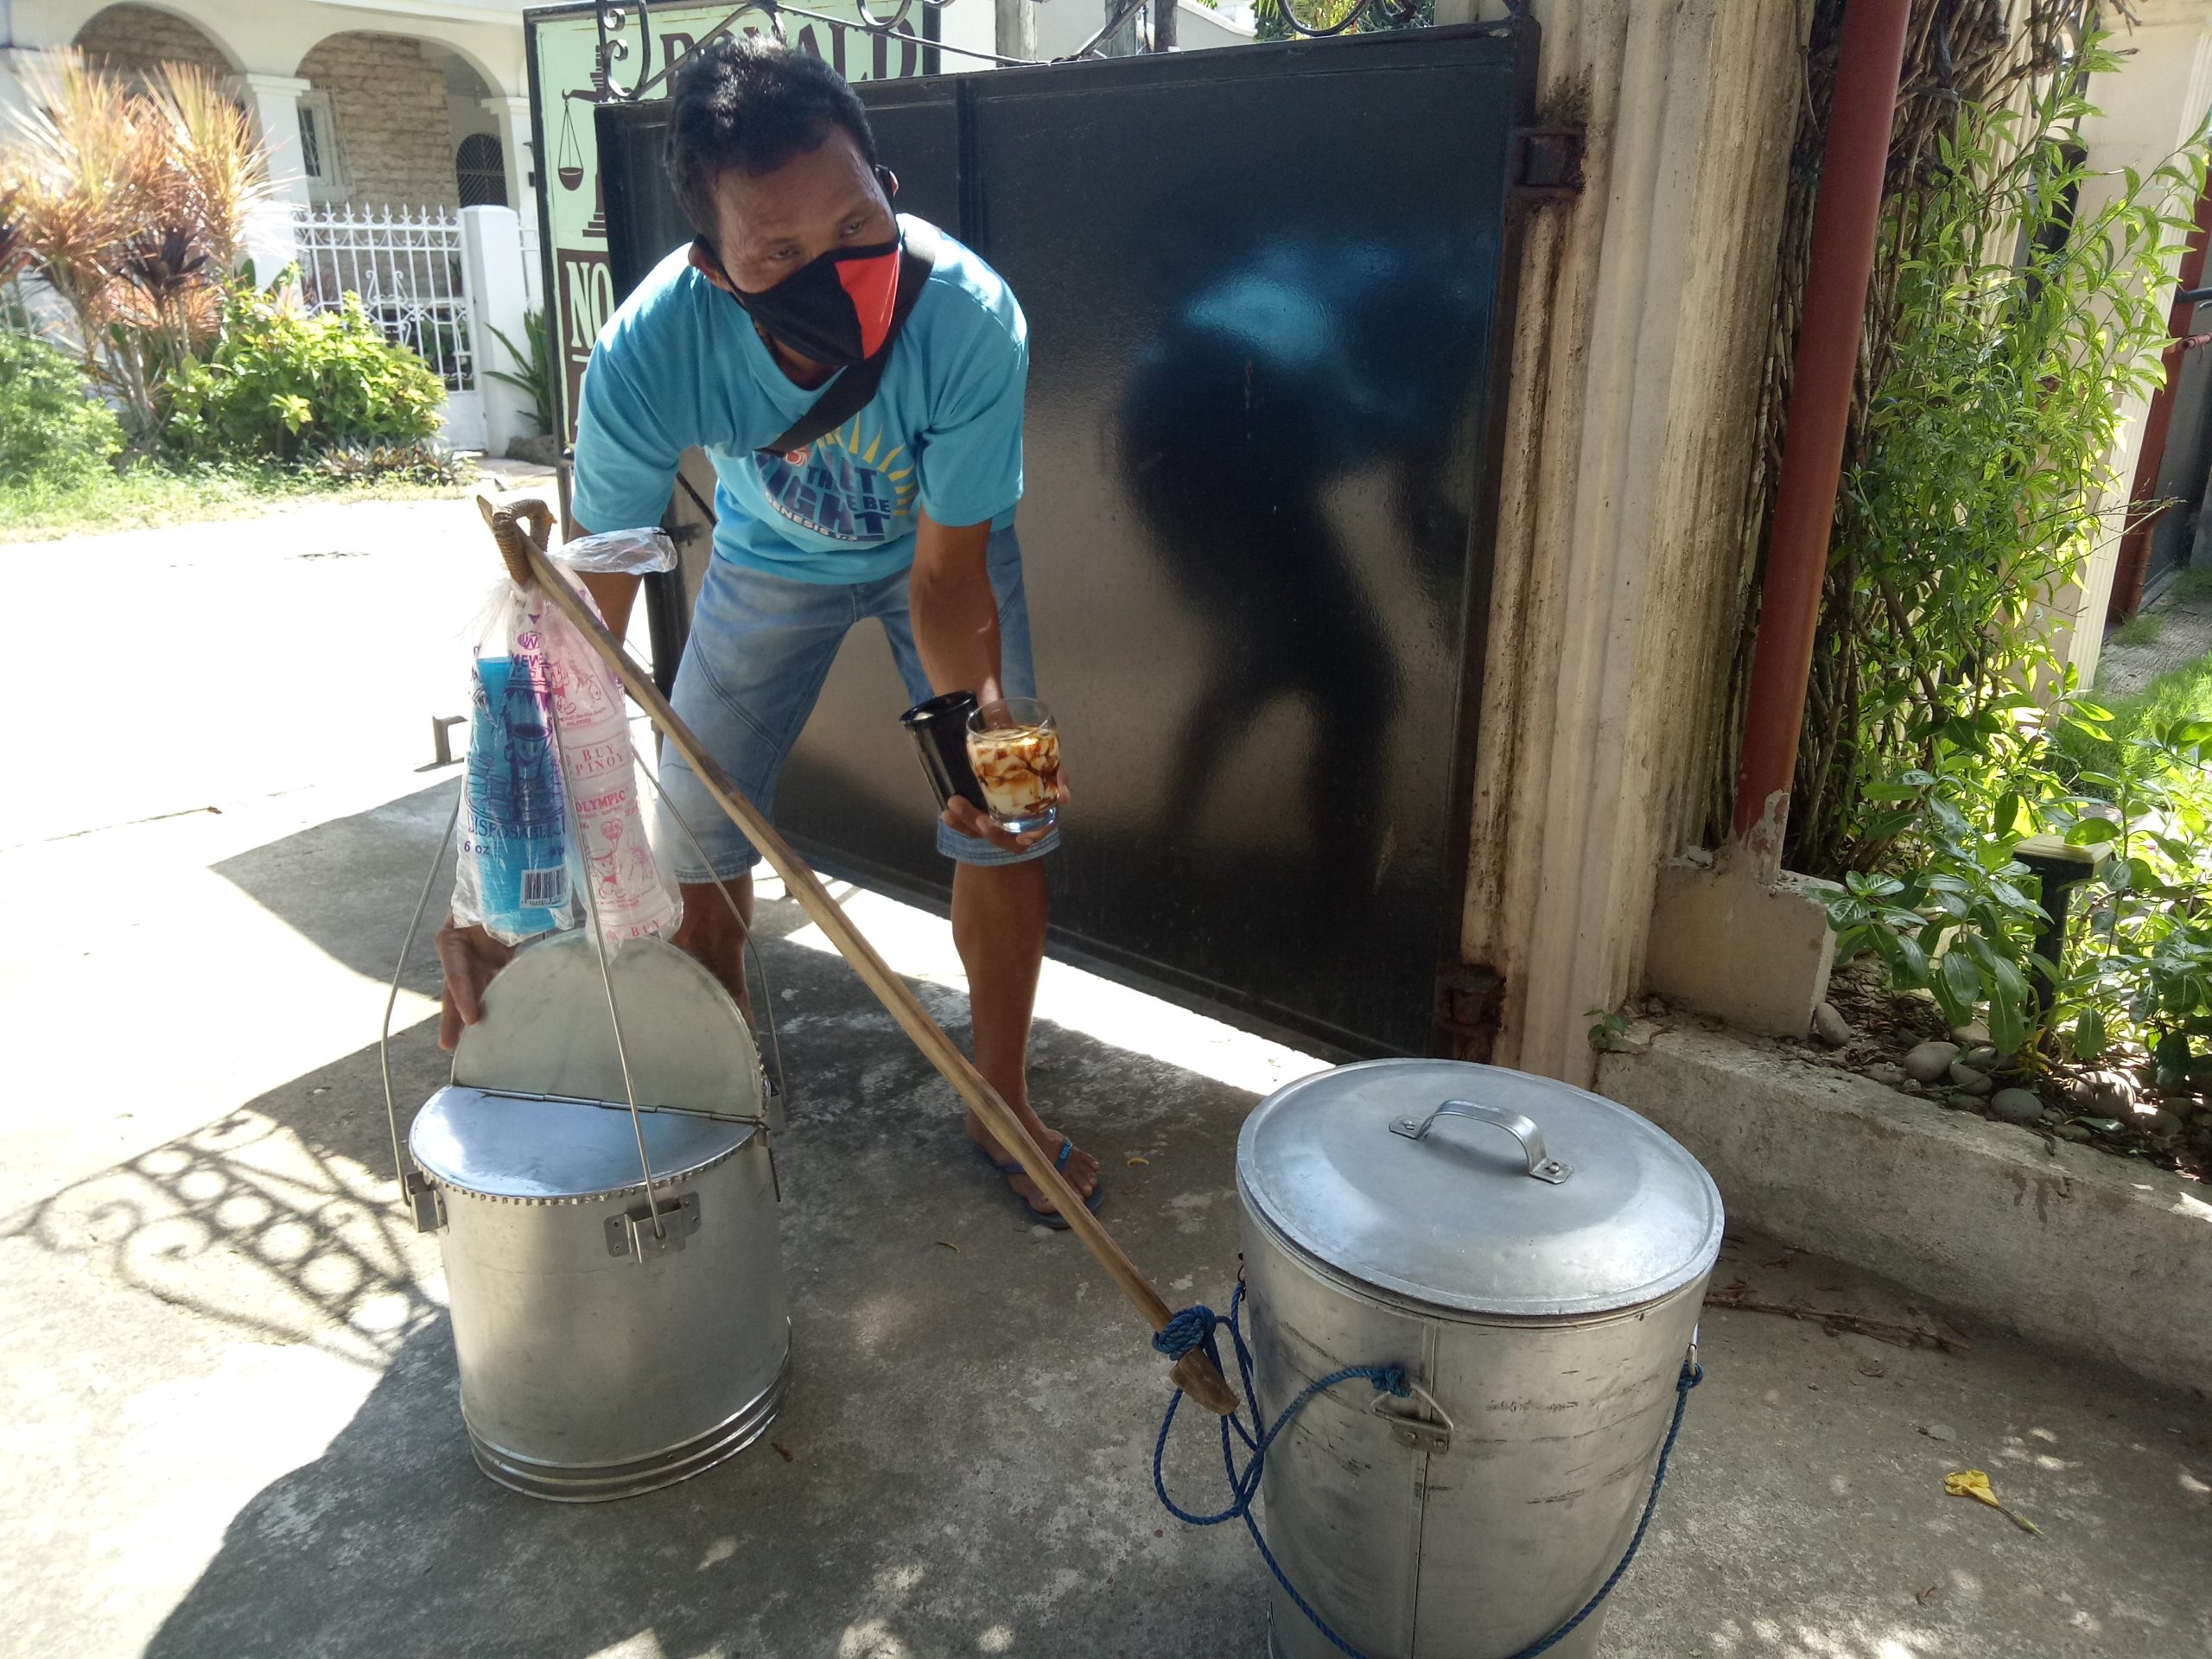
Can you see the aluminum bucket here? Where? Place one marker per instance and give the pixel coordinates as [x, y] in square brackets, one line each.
[1540, 1285]
[600, 1355]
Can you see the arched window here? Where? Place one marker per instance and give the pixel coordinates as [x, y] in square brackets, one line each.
[482, 166]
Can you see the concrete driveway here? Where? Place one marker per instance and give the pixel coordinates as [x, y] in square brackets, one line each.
[228, 1419]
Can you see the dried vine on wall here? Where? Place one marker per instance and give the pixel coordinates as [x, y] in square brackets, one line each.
[1959, 55]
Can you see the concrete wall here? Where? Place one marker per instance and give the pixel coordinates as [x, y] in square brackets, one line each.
[1643, 307]
[388, 99]
[2091, 1254]
[272, 37]
[133, 39]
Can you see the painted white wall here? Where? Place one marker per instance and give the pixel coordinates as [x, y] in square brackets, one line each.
[498, 288]
[1198, 27]
[1063, 25]
[274, 102]
[971, 24]
[2154, 103]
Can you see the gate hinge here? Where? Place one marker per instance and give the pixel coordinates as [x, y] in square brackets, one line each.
[1545, 164]
[1470, 1002]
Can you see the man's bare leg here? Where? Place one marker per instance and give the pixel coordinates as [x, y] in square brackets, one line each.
[710, 932]
[998, 926]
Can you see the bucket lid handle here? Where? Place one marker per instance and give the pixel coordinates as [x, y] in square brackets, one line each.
[1542, 1165]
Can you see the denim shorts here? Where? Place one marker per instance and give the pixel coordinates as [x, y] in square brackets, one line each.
[760, 650]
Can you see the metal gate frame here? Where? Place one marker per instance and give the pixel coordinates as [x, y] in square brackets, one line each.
[1543, 165]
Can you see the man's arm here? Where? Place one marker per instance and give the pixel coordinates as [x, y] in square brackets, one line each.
[956, 618]
[956, 613]
[614, 594]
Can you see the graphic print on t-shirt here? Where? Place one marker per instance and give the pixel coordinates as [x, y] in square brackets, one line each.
[847, 486]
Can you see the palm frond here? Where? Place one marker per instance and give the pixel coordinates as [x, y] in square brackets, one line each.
[218, 173]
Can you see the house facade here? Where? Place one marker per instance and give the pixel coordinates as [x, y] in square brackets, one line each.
[388, 107]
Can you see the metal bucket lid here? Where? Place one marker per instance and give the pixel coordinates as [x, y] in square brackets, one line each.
[1477, 1190]
[546, 1031]
[536, 1149]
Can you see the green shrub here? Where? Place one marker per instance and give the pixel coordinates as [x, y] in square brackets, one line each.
[52, 429]
[1959, 915]
[282, 382]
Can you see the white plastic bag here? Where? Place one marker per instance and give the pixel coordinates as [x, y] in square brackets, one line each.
[512, 874]
[621, 552]
[599, 767]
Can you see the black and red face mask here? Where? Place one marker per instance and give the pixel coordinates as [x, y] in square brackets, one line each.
[835, 309]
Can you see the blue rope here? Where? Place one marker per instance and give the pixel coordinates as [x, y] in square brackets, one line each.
[1195, 1328]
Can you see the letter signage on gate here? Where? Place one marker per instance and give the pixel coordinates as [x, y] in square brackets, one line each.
[568, 80]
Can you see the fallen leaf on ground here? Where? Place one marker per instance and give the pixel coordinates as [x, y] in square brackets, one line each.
[946, 1243]
[1974, 1484]
[1134, 1162]
[781, 1453]
[1922, 1596]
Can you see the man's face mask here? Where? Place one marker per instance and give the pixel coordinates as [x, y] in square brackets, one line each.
[837, 309]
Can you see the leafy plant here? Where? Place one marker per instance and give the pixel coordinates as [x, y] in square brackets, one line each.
[281, 382]
[132, 204]
[51, 426]
[1976, 496]
[2015, 320]
[1961, 921]
[2138, 960]
[1339, 17]
[1606, 1027]
[533, 373]
[1960, 914]
[415, 462]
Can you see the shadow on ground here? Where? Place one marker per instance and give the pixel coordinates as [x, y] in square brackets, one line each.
[963, 1466]
[968, 1433]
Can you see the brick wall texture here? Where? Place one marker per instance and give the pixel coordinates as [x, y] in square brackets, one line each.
[133, 39]
[388, 100]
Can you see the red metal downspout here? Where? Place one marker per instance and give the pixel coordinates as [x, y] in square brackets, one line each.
[1845, 219]
[2135, 544]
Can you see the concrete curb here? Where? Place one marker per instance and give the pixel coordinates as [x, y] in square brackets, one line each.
[2099, 1255]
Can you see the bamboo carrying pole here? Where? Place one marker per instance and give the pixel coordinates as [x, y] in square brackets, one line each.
[522, 531]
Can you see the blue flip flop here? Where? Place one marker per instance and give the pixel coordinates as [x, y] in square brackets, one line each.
[1053, 1220]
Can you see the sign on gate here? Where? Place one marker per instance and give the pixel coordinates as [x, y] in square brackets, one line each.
[567, 80]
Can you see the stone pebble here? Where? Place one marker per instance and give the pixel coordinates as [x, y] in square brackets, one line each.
[1930, 1062]
[1970, 1081]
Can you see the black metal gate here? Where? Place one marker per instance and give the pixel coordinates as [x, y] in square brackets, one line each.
[1264, 289]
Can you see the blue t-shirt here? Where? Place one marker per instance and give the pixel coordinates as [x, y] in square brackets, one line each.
[680, 364]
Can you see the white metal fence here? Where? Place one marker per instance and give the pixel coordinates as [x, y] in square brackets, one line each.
[406, 266]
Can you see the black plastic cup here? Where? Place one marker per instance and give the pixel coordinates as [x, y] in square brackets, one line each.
[939, 728]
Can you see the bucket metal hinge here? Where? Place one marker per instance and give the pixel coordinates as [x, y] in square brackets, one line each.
[1431, 1431]
[1470, 1003]
[630, 1232]
[426, 1201]
[1545, 164]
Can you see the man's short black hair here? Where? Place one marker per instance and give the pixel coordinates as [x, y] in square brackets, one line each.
[749, 106]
